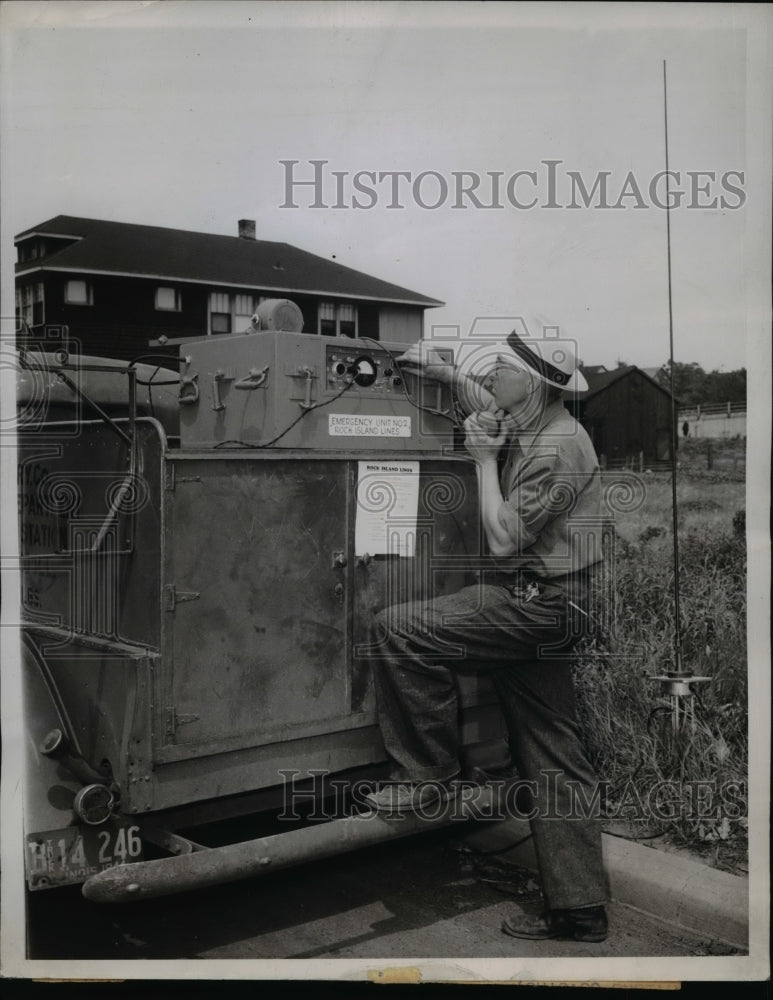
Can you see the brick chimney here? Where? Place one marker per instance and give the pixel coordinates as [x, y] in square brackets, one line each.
[247, 229]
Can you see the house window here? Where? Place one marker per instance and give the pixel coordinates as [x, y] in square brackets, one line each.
[79, 293]
[243, 306]
[220, 322]
[29, 250]
[168, 299]
[231, 313]
[347, 321]
[337, 319]
[219, 313]
[30, 307]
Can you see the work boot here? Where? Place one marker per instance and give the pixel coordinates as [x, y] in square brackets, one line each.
[411, 797]
[585, 923]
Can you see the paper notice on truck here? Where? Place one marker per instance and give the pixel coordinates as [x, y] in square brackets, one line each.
[387, 508]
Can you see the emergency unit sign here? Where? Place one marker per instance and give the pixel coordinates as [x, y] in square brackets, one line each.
[387, 508]
[367, 425]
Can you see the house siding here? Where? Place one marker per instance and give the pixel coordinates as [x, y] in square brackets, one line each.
[122, 319]
[401, 324]
[121, 322]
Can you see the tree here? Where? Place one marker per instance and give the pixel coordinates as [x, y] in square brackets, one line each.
[689, 381]
[723, 387]
[692, 385]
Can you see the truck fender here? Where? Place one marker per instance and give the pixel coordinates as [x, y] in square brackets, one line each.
[48, 788]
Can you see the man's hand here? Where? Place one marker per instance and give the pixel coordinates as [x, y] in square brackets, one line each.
[470, 393]
[485, 434]
[428, 362]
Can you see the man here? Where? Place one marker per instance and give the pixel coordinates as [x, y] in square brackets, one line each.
[540, 516]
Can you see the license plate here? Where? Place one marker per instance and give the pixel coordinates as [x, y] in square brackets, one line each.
[72, 854]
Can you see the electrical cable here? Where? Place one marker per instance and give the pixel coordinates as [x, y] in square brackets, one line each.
[153, 357]
[411, 400]
[150, 383]
[657, 710]
[236, 443]
[231, 442]
[304, 412]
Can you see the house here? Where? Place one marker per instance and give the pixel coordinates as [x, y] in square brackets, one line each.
[627, 415]
[112, 288]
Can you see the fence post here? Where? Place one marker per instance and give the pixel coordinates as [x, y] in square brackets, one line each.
[708, 456]
[641, 461]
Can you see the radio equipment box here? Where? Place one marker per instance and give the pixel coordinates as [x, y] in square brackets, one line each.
[296, 390]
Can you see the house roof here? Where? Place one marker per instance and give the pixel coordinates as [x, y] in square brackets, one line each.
[599, 380]
[102, 247]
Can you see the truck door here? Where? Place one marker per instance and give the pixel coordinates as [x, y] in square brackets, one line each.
[255, 603]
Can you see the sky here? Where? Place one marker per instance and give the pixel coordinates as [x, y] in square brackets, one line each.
[180, 115]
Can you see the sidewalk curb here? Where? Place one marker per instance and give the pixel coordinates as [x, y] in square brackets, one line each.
[668, 886]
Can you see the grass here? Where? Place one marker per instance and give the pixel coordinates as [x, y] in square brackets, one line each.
[716, 459]
[687, 788]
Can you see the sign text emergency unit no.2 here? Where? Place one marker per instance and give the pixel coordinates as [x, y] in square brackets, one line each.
[368, 425]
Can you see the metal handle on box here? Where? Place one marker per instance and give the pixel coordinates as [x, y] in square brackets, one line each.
[217, 402]
[189, 389]
[254, 380]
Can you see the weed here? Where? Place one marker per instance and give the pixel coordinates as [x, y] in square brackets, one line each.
[625, 715]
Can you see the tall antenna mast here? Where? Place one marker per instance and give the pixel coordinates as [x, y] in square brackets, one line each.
[677, 683]
[674, 439]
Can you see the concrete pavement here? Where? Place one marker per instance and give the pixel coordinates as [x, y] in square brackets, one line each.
[428, 896]
[671, 887]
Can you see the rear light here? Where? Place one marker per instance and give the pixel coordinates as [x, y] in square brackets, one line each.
[93, 804]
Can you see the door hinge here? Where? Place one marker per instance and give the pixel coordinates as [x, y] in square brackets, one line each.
[172, 479]
[173, 720]
[173, 596]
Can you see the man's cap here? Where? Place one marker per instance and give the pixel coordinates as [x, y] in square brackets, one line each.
[551, 360]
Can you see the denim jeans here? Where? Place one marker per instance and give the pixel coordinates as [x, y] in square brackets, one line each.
[415, 652]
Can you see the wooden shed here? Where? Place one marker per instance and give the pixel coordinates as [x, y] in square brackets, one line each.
[627, 415]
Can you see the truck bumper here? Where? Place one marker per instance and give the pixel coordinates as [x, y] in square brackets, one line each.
[215, 866]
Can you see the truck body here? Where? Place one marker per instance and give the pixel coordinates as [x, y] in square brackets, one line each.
[201, 556]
